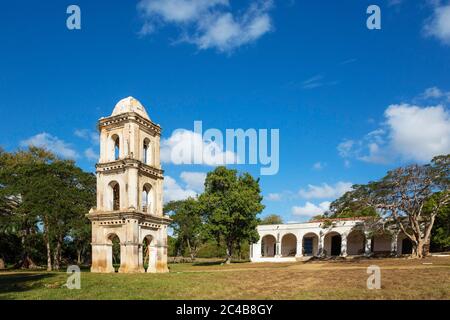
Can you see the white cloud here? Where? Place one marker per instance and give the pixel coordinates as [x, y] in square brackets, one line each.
[438, 25]
[325, 190]
[318, 166]
[51, 143]
[89, 135]
[310, 209]
[418, 133]
[274, 197]
[345, 148]
[188, 147]
[90, 154]
[409, 132]
[194, 180]
[434, 93]
[173, 191]
[208, 23]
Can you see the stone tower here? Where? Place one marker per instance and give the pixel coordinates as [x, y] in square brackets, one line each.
[129, 193]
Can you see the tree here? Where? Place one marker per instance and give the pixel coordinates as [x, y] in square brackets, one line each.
[14, 191]
[410, 197]
[352, 204]
[440, 235]
[187, 224]
[44, 199]
[230, 205]
[272, 219]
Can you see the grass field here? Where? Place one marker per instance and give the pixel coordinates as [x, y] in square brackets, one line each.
[400, 279]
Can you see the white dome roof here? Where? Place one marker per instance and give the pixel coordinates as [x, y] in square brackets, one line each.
[130, 104]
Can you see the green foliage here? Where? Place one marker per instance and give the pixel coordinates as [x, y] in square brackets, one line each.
[352, 204]
[44, 198]
[272, 219]
[440, 236]
[409, 198]
[230, 205]
[187, 225]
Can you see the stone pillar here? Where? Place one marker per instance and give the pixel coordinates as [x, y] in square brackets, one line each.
[129, 248]
[299, 250]
[133, 189]
[102, 258]
[141, 258]
[278, 250]
[152, 258]
[320, 244]
[368, 248]
[161, 250]
[343, 245]
[257, 249]
[394, 239]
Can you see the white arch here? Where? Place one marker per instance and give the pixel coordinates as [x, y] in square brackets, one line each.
[288, 245]
[115, 147]
[310, 243]
[113, 196]
[268, 245]
[147, 151]
[148, 198]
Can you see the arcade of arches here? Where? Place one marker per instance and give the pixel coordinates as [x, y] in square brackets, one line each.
[288, 242]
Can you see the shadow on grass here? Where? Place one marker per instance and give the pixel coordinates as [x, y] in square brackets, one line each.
[20, 282]
[218, 262]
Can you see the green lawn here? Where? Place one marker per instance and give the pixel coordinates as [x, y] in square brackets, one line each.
[400, 279]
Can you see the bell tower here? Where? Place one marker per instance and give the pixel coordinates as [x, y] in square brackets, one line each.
[129, 193]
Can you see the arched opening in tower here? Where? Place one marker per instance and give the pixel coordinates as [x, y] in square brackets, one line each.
[114, 242]
[147, 252]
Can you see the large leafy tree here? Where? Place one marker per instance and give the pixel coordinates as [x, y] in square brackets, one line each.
[49, 196]
[15, 218]
[230, 205]
[409, 197]
[187, 224]
[440, 235]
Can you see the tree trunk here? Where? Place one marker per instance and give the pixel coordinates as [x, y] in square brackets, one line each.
[229, 253]
[79, 256]
[2, 264]
[191, 250]
[49, 255]
[57, 255]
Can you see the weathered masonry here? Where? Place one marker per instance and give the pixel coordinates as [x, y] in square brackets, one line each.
[129, 193]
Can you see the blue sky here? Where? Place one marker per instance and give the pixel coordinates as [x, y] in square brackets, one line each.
[350, 103]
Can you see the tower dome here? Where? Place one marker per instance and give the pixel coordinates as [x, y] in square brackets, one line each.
[130, 104]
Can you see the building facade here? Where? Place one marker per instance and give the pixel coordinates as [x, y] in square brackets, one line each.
[129, 193]
[344, 237]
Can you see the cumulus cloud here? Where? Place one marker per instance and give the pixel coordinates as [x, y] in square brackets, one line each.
[89, 135]
[188, 147]
[409, 132]
[318, 166]
[310, 209]
[438, 25]
[208, 23]
[274, 197]
[194, 180]
[435, 93]
[173, 191]
[325, 190]
[90, 154]
[51, 143]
